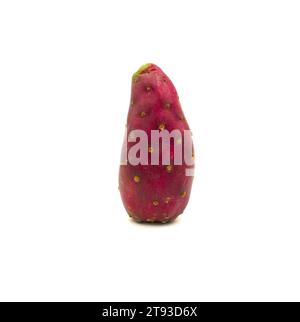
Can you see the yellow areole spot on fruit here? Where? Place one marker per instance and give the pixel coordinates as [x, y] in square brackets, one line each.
[167, 105]
[143, 114]
[183, 194]
[131, 102]
[169, 168]
[150, 149]
[155, 203]
[162, 126]
[136, 179]
[167, 199]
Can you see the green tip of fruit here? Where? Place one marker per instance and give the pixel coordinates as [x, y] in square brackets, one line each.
[141, 70]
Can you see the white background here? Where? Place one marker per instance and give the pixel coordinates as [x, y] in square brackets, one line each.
[65, 73]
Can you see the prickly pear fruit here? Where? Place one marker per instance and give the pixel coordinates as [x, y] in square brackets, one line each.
[154, 192]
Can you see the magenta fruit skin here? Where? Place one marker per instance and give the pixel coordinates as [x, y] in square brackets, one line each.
[154, 193]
